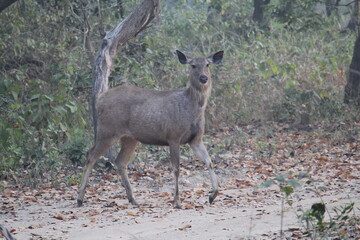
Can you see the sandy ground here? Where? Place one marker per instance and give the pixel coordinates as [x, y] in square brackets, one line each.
[248, 213]
[241, 211]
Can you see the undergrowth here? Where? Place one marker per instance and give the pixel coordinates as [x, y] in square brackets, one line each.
[318, 221]
[279, 73]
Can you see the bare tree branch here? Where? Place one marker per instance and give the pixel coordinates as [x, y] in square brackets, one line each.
[88, 46]
[345, 5]
[117, 37]
[352, 88]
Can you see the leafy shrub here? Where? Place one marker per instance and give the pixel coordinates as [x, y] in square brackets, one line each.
[76, 148]
[40, 66]
[277, 73]
[340, 226]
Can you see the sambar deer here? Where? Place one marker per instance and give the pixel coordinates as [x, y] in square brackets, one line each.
[169, 118]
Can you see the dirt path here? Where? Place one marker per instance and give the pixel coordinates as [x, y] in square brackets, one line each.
[50, 219]
[241, 211]
[211, 223]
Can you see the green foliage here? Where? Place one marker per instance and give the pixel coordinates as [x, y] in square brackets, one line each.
[286, 185]
[76, 148]
[278, 73]
[339, 226]
[40, 66]
[300, 15]
[73, 179]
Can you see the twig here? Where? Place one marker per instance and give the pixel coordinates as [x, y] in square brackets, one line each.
[354, 71]
[282, 218]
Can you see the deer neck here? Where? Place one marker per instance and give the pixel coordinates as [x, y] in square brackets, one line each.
[199, 95]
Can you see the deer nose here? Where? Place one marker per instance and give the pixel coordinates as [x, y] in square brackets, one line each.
[203, 79]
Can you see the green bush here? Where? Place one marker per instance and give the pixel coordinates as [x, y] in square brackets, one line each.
[295, 66]
[76, 148]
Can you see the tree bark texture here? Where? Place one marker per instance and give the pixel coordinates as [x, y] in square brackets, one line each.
[117, 37]
[5, 3]
[258, 15]
[352, 88]
[330, 6]
[354, 23]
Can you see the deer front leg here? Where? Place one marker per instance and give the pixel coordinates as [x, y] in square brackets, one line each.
[175, 161]
[201, 152]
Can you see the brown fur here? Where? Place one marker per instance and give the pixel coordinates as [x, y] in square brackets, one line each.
[171, 118]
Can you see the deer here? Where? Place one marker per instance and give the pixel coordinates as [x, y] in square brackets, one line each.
[5, 233]
[172, 118]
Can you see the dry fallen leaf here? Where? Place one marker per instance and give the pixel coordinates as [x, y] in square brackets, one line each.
[36, 235]
[164, 194]
[188, 206]
[34, 226]
[322, 158]
[94, 213]
[198, 191]
[333, 162]
[58, 216]
[132, 214]
[30, 199]
[185, 227]
[199, 207]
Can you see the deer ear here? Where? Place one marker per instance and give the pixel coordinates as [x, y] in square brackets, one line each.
[217, 57]
[183, 59]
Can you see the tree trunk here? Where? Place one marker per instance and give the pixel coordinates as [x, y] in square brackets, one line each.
[121, 8]
[353, 24]
[352, 88]
[5, 3]
[117, 37]
[258, 15]
[330, 6]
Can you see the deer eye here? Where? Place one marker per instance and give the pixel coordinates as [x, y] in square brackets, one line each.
[207, 65]
[193, 66]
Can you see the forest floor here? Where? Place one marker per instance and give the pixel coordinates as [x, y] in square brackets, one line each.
[327, 157]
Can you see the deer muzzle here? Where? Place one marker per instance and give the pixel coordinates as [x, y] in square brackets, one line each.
[203, 79]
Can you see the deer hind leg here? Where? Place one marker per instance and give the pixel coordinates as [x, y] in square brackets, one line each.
[175, 161]
[201, 152]
[127, 150]
[100, 147]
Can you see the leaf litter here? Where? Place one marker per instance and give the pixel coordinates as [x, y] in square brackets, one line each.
[328, 158]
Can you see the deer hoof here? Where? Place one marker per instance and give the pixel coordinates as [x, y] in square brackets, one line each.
[177, 204]
[213, 196]
[133, 202]
[79, 202]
